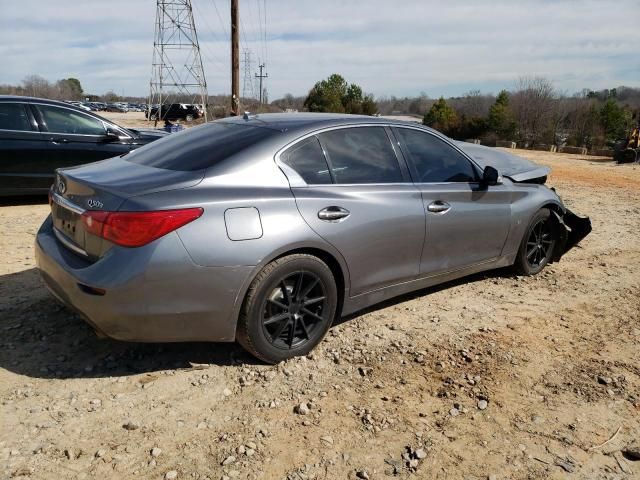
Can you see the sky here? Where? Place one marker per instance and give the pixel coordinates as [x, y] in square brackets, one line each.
[401, 47]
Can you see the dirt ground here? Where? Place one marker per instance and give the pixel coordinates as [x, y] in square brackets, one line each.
[493, 376]
[129, 119]
[138, 120]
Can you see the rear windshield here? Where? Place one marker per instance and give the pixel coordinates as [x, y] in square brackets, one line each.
[200, 147]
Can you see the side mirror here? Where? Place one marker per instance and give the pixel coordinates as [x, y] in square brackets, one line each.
[490, 176]
[113, 135]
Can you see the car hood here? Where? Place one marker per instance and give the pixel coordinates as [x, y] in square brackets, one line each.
[146, 135]
[516, 168]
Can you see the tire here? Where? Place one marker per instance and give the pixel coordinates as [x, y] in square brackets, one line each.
[537, 245]
[288, 309]
[189, 118]
[153, 116]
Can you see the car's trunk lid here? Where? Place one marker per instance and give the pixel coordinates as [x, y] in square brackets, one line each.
[104, 186]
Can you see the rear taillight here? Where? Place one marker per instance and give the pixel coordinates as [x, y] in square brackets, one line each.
[135, 229]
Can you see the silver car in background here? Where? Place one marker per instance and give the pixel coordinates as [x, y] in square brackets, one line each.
[264, 229]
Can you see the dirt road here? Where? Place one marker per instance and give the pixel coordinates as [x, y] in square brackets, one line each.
[493, 376]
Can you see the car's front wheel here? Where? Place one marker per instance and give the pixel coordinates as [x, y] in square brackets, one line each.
[189, 118]
[538, 243]
[288, 309]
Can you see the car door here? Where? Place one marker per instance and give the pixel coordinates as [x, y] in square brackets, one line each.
[355, 193]
[20, 144]
[466, 222]
[76, 138]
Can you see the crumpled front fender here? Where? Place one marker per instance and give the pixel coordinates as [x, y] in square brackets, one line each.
[571, 229]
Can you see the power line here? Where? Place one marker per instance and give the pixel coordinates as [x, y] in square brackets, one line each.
[212, 55]
[262, 47]
[223, 24]
[266, 59]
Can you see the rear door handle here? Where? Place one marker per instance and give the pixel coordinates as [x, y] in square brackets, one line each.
[438, 207]
[58, 140]
[333, 214]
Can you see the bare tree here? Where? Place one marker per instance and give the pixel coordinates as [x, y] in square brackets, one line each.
[473, 104]
[37, 86]
[532, 103]
[561, 108]
[582, 119]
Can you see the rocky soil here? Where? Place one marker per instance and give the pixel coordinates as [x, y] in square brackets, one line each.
[490, 377]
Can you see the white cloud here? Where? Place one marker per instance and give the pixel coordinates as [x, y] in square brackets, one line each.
[399, 48]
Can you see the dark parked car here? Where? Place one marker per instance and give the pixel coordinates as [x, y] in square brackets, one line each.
[174, 111]
[266, 229]
[115, 107]
[37, 136]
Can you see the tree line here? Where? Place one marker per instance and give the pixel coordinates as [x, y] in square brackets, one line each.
[533, 112]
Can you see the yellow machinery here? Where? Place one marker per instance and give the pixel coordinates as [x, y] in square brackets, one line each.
[629, 150]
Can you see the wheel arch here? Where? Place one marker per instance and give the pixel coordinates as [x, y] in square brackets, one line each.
[332, 259]
[554, 207]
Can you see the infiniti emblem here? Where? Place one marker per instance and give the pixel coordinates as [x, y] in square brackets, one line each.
[94, 203]
[62, 187]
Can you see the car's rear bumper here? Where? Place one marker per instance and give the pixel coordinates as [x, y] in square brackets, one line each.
[153, 293]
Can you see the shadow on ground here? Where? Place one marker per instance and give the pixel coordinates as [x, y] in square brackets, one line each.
[43, 339]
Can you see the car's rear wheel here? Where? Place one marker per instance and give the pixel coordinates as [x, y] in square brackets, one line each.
[153, 116]
[538, 243]
[288, 309]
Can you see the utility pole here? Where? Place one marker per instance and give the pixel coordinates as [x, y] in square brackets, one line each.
[176, 68]
[261, 76]
[235, 58]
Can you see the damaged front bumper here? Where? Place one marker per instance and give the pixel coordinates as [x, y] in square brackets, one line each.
[571, 229]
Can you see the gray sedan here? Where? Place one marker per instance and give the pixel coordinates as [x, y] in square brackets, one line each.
[265, 229]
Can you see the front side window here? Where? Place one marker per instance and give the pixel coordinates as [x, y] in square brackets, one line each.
[307, 159]
[361, 155]
[63, 120]
[13, 116]
[434, 160]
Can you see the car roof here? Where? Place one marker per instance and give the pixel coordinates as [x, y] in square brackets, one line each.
[309, 121]
[46, 101]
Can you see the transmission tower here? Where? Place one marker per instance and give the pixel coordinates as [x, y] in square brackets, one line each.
[177, 75]
[247, 85]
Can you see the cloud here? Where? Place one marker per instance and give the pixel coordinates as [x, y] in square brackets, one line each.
[389, 48]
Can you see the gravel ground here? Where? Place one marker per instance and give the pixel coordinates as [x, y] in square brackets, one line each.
[138, 120]
[492, 376]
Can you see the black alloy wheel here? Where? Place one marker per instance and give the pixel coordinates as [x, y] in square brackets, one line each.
[289, 308]
[294, 309]
[540, 243]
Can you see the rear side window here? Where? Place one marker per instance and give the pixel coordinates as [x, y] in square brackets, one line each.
[434, 160]
[13, 116]
[64, 120]
[361, 155]
[200, 147]
[307, 159]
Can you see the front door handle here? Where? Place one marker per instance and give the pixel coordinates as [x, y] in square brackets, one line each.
[333, 214]
[58, 140]
[438, 207]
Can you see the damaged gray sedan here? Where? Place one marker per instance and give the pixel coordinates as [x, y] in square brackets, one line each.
[265, 229]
